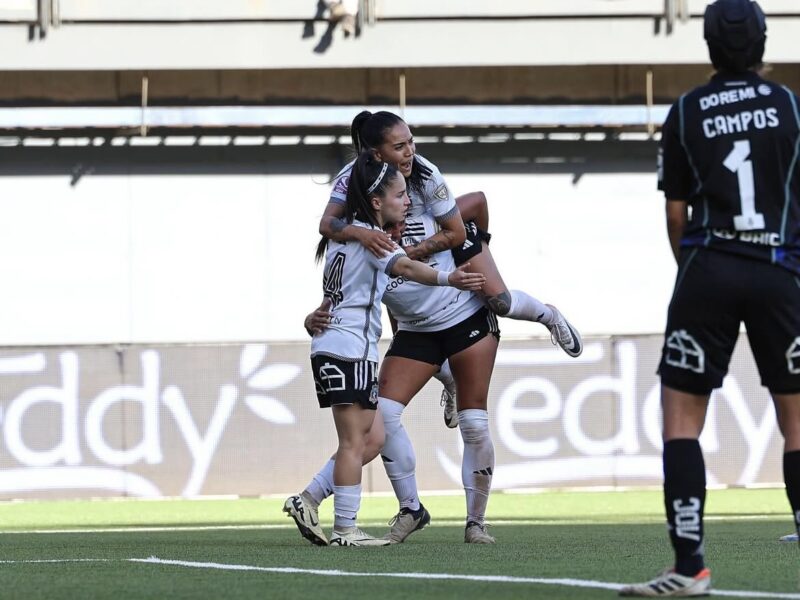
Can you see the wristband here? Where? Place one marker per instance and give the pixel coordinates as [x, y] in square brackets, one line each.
[442, 277]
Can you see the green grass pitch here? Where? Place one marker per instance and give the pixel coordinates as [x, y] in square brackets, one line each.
[550, 545]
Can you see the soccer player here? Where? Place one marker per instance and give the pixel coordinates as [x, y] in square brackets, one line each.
[391, 139]
[344, 357]
[434, 325]
[730, 153]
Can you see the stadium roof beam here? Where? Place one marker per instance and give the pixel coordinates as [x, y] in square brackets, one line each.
[77, 11]
[295, 45]
[50, 158]
[460, 120]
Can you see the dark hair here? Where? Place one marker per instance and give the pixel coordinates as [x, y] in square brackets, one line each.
[735, 31]
[369, 177]
[369, 130]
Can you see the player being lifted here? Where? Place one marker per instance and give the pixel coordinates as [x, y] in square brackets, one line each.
[730, 152]
[391, 139]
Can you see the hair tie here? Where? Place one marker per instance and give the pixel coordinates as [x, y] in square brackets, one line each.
[377, 182]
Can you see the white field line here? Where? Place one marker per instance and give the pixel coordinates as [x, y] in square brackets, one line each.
[646, 520]
[565, 582]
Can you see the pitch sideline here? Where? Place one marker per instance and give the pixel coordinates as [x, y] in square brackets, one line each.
[566, 582]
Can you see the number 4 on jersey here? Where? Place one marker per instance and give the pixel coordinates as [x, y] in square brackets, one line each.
[737, 162]
[332, 279]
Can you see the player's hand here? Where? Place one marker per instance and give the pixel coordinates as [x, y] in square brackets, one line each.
[317, 321]
[464, 280]
[377, 242]
[413, 252]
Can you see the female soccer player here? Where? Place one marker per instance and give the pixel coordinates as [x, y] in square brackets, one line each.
[344, 357]
[391, 139]
[433, 325]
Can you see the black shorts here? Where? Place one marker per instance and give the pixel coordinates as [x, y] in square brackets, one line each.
[472, 245]
[435, 347]
[341, 382]
[716, 291]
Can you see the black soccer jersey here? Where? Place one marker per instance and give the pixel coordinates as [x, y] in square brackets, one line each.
[730, 148]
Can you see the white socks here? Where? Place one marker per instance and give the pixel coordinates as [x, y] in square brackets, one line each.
[321, 486]
[527, 308]
[346, 502]
[477, 465]
[398, 455]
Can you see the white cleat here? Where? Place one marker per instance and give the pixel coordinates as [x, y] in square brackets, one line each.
[563, 334]
[306, 518]
[356, 537]
[792, 537]
[449, 403]
[671, 584]
[475, 533]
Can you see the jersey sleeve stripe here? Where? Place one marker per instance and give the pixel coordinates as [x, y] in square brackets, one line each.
[450, 213]
[394, 259]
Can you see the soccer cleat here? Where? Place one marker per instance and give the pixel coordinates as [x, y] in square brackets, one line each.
[792, 537]
[406, 522]
[356, 537]
[475, 533]
[670, 583]
[306, 518]
[449, 403]
[564, 334]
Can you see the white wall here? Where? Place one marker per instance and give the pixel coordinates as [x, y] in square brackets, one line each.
[230, 258]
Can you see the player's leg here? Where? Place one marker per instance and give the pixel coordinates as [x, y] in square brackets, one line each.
[773, 328]
[353, 423]
[304, 507]
[448, 400]
[409, 364]
[513, 304]
[474, 207]
[702, 329]
[788, 411]
[472, 368]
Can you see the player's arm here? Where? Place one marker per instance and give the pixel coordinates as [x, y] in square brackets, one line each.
[451, 235]
[422, 273]
[333, 226]
[317, 321]
[675, 179]
[677, 217]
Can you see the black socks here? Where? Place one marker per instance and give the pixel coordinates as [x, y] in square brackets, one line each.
[791, 476]
[684, 499]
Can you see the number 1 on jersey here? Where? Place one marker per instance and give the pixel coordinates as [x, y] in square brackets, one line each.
[737, 162]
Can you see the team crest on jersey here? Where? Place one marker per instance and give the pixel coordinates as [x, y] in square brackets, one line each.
[683, 352]
[793, 357]
[441, 192]
[342, 184]
[373, 394]
[764, 89]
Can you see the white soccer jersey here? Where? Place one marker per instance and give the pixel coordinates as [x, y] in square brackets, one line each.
[436, 198]
[355, 281]
[418, 307]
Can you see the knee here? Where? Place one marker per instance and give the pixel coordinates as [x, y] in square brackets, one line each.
[353, 446]
[474, 425]
[500, 304]
[391, 412]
